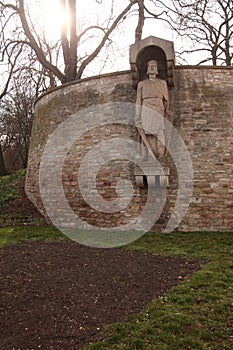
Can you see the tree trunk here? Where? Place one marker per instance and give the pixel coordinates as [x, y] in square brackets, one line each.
[227, 46]
[73, 40]
[69, 40]
[141, 19]
[2, 164]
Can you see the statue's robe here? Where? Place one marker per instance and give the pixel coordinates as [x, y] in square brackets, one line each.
[151, 94]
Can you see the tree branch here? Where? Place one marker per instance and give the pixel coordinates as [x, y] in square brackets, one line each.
[141, 19]
[104, 39]
[39, 52]
[12, 66]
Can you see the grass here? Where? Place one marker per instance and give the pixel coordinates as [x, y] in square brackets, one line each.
[8, 187]
[196, 314]
[13, 235]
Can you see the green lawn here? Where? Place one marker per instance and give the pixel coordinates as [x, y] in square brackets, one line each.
[196, 314]
[12, 235]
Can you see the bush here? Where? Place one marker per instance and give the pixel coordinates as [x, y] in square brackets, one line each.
[8, 187]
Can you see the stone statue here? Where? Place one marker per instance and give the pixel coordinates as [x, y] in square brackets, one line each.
[152, 93]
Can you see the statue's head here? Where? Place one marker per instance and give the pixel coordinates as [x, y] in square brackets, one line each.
[152, 67]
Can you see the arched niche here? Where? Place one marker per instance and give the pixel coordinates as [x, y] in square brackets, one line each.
[151, 53]
[155, 48]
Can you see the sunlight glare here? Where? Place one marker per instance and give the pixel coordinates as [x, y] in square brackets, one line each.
[53, 18]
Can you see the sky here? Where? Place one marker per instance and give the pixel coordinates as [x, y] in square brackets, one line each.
[47, 15]
[89, 11]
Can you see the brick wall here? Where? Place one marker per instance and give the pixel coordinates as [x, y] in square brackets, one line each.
[202, 107]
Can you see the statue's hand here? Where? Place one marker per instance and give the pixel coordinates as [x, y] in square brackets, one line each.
[138, 122]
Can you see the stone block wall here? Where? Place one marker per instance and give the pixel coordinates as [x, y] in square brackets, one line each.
[203, 107]
[56, 107]
[203, 115]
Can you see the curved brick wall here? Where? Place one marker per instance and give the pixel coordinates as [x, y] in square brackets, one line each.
[55, 107]
[203, 113]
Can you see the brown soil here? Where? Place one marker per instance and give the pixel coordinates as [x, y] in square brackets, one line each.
[20, 211]
[60, 295]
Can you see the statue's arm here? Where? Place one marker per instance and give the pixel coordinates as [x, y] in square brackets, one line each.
[138, 108]
[166, 99]
[166, 105]
[167, 111]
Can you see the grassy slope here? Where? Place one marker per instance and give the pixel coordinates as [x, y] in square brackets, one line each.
[196, 314]
[8, 187]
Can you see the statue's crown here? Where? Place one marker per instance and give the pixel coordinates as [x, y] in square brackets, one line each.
[154, 62]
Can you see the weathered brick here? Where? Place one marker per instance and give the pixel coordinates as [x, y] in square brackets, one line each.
[202, 110]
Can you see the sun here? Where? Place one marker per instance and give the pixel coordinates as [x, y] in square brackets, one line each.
[53, 18]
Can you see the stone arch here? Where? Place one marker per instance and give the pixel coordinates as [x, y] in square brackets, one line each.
[152, 48]
[149, 53]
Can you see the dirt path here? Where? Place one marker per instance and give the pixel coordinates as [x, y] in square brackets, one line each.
[60, 295]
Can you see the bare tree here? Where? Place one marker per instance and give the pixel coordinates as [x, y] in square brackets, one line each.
[25, 50]
[105, 37]
[27, 35]
[17, 63]
[11, 66]
[10, 56]
[206, 26]
[16, 115]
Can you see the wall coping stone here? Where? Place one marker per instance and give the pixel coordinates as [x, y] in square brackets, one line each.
[73, 82]
[112, 74]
